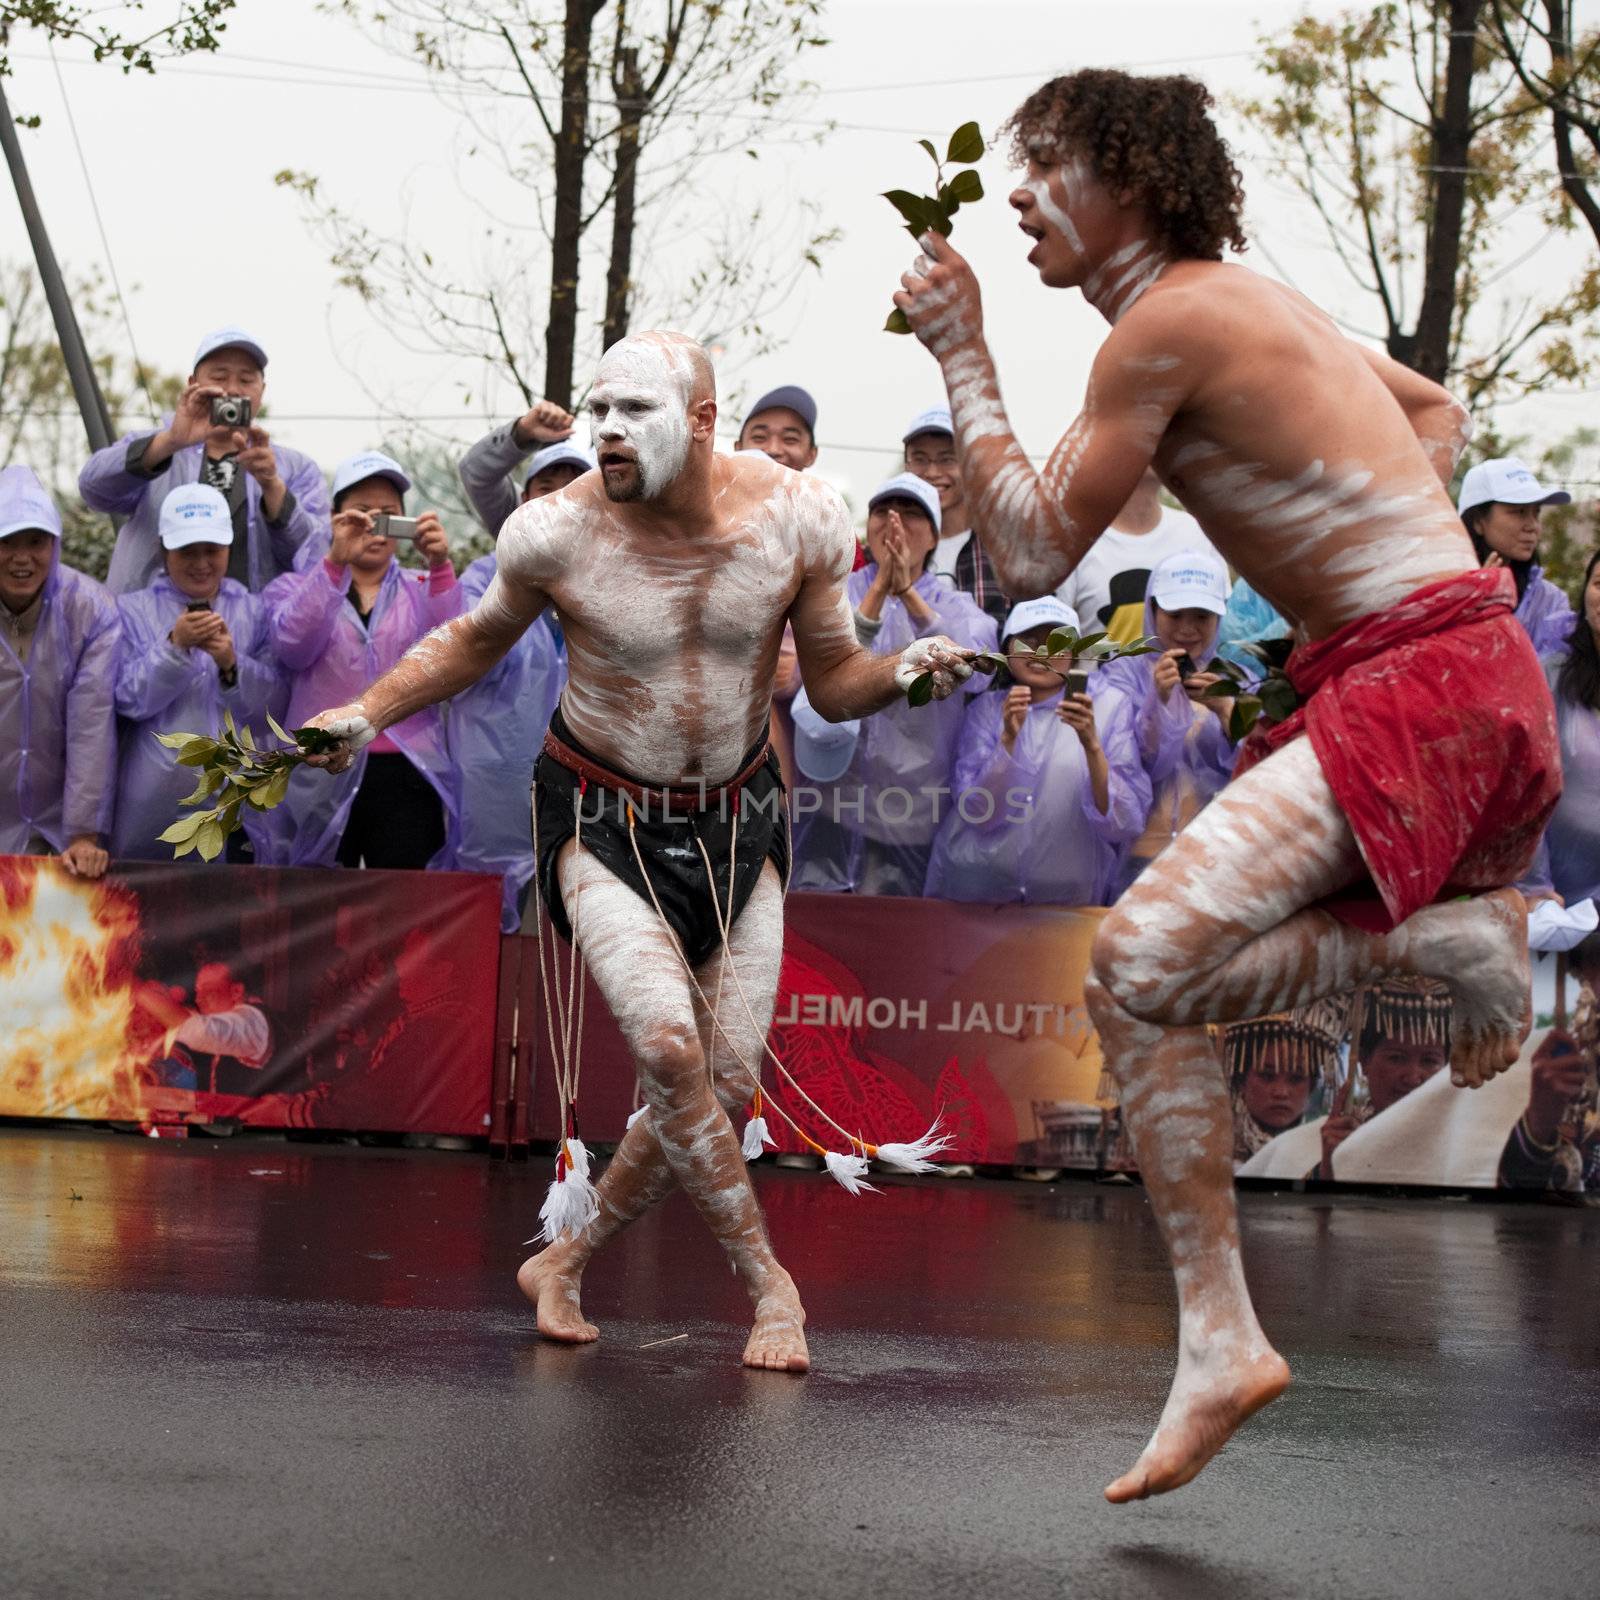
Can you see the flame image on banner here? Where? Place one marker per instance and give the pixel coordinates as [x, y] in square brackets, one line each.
[68, 951]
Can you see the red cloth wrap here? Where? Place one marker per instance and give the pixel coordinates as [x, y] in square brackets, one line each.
[1434, 727]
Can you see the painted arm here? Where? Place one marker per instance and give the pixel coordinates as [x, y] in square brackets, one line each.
[842, 679]
[1437, 418]
[460, 652]
[1037, 526]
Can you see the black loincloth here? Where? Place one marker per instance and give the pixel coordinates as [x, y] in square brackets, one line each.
[666, 839]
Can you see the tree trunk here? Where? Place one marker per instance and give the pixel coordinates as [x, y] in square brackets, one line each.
[1558, 16]
[1452, 143]
[619, 274]
[561, 331]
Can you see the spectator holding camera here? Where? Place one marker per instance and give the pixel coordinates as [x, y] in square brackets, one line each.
[1184, 741]
[496, 725]
[59, 638]
[339, 624]
[493, 472]
[1048, 787]
[275, 495]
[1500, 503]
[195, 644]
[872, 829]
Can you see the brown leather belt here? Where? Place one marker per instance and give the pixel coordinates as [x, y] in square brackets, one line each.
[647, 796]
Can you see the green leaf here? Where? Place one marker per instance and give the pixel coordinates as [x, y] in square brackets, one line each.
[1219, 691]
[1279, 701]
[927, 144]
[198, 752]
[277, 732]
[988, 661]
[314, 741]
[897, 322]
[1246, 713]
[176, 741]
[210, 782]
[1062, 642]
[913, 208]
[183, 828]
[210, 840]
[938, 218]
[247, 738]
[966, 187]
[921, 690]
[966, 145]
[228, 723]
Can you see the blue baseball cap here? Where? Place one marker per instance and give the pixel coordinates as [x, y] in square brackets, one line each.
[936, 419]
[907, 486]
[230, 338]
[195, 513]
[564, 454]
[791, 397]
[368, 464]
[25, 504]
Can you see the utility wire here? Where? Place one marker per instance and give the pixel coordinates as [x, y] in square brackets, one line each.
[105, 242]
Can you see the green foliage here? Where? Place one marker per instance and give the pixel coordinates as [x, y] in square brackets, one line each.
[39, 422]
[195, 26]
[1064, 648]
[234, 773]
[923, 214]
[1274, 698]
[1354, 109]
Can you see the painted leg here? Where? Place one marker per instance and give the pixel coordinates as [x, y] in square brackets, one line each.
[686, 1136]
[1217, 930]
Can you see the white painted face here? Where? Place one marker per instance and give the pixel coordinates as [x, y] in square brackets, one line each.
[1049, 202]
[639, 418]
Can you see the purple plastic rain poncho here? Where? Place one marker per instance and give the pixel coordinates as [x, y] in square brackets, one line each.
[330, 658]
[162, 689]
[495, 730]
[1024, 826]
[873, 829]
[58, 721]
[106, 484]
[1545, 613]
[1187, 754]
[1569, 854]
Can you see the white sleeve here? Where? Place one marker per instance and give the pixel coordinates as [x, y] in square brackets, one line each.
[243, 1033]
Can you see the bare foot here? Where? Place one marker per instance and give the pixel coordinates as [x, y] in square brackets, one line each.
[777, 1341]
[1211, 1396]
[553, 1289]
[1484, 959]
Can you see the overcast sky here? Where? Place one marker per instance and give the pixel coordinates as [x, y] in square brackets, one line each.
[182, 167]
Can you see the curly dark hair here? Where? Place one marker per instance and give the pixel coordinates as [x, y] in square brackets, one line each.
[1153, 137]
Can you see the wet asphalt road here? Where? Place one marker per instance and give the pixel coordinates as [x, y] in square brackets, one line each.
[264, 1369]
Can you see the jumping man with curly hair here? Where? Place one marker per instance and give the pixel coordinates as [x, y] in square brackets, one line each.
[1429, 764]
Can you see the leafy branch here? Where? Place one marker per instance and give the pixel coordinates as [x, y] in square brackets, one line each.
[1274, 698]
[234, 773]
[933, 213]
[1093, 649]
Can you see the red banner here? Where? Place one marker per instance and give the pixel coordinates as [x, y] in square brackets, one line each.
[166, 994]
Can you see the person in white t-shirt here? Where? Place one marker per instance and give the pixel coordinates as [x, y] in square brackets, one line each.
[1108, 587]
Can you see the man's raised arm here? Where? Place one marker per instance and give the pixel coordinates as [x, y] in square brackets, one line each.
[1037, 526]
[442, 664]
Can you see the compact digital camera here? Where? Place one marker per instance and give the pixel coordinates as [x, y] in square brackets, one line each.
[390, 527]
[230, 411]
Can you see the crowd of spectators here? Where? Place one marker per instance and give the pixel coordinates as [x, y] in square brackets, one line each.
[245, 582]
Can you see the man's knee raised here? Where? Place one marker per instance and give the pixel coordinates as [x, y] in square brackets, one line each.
[1107, 982]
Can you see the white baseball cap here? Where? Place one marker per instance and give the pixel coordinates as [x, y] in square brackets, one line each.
[907, 486]
[1030, 614]
[1190, 580]
[25, 504]
[564, 454]
[195, 513]
[822, 750]
[936, 419]
[368, 464]
[1507, 481]
[230, 338]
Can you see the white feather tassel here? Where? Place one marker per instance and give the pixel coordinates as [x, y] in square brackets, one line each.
[918, 1156]
[756, 1138]
[851, 1171]
[570, 1205]
[637, 1114]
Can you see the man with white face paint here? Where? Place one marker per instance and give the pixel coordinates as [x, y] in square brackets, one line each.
[674, 570]
[1318, 470]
